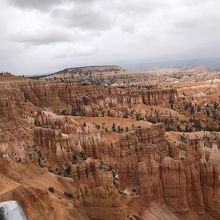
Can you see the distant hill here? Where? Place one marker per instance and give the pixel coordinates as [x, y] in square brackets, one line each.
[85, 72]
[117, 76]
[6, 76]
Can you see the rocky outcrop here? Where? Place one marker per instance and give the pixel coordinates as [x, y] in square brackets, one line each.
[71, 98]
[190, 183]
[181, 178]
[87, 172]
[174, 184]
[210, 183]
[103, 203]
[109, 168]
[30, 198]
[142, 151]
[140, 162]
[97, 193]
[83, 73]
[6, 110]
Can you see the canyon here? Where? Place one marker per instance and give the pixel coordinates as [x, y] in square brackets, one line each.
[104, 143]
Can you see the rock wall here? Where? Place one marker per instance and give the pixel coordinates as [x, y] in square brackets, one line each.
[97, 194]
[141, 150]
[36, 123]
[69, 97]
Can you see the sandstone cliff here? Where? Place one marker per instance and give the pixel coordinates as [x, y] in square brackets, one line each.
[100, 171]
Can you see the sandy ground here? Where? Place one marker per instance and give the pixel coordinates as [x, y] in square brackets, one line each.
[29, 185]
[107, 122]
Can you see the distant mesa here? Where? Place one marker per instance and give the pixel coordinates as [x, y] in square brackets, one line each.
[88, 71]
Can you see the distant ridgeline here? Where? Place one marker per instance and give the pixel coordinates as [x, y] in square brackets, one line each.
[5, 73]
[79, 74]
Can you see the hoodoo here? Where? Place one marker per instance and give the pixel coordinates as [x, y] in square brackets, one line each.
[134, 150]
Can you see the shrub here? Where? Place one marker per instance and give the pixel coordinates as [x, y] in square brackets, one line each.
[68, 194]
[50, 170]
[51, 189]
[68, 170]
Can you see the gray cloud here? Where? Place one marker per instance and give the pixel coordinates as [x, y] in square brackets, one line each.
[89, 32]
[36, 4]
[138, 7]
[44, 38]
[73, 52]
[89, 19]
[45, 4]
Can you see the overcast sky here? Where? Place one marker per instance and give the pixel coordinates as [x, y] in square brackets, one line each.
[43, 36]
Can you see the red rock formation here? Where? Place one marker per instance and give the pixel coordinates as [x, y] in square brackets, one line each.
[97, 193]
[210, 183]
[68, 97]
[140, 150]
[174, 184]
[107, 168]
